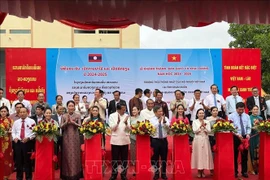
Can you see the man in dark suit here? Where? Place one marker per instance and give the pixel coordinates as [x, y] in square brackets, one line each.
[255, 99]
[58, 117]
[39, 114]
[113, 103]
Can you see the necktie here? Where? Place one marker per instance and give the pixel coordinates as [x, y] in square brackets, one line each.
[160, 135]
[242, 126]
[235, 100]
[22, 135]
[215, 100]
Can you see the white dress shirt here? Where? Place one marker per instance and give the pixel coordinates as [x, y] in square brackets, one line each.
[102, 105]
[268, 107]
[59, 122]
[26, 104]
[187, 105]
[28, 125]
[144, 99]
[231, 103]
[146, 114]
[257, 102]
[155, 123]
[5, 102]
[198, 105]
[82, 111]
[119, 136]
[209, 101]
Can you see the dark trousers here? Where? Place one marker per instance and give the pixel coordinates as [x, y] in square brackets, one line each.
[119, 153]
[160, 147]
[244, 156]
[23, 154]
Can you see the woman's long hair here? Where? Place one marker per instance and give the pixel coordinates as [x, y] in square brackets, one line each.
[184, 116]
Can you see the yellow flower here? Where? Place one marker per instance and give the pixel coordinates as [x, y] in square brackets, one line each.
[94, 130]
[215, 125]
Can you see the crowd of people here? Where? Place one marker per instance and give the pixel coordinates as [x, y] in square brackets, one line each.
[200, 112]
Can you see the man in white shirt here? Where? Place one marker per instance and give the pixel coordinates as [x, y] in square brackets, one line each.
[40, 102]
[187, 101]
[101, 103]
[214, 100]
[23, 136]
[16, 116]
[268, 109]
[147, 95]
[159, 142]
[148, 112]
[195, 105]
[232, 100]
[20, 95]
[120, 140]
[4, 101]
[179, 99]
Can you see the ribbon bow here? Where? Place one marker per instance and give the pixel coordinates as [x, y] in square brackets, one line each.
[244, 145]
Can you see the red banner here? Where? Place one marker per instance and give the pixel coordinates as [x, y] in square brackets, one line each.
[143, 152]
[224, 156]
[181, 158]
[93, 158]
[241, 68]
[44, 169]
[264, 157]
[25, 70]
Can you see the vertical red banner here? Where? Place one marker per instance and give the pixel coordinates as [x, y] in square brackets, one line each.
[26, 70]
[241, 68]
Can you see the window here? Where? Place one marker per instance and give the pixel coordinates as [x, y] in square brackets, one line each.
[108, 31]
[20, 31]
[77, 31]
[2, 31]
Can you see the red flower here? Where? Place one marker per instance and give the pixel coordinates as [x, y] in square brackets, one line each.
[230, 121]
[33, 125]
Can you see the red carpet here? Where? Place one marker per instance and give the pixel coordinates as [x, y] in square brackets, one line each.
[131, 169]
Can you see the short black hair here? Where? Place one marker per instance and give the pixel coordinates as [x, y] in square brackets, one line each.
[19, 104]
[84, 96]
[183, 93]
[70, 101]
[156, 108]
[240, 105]
[138, 90]
[159, 92]
[213, 86]
[48, 109]
[212, 108]
[40, 93]
[177, 91]
[1, 89]
[19, 92]
[197, 90]
[75, 95]
[57, 106]
[120, 105]
[101, 91]
[146, 91]
[40, 107]
[117, 92]
[254, 88]
[234, 87]
[58, 96]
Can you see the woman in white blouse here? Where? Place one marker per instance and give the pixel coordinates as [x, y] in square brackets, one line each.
[201, 151]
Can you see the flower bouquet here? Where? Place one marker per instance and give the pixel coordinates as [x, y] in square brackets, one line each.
[2, 130]
[143, 128]
[45, 129]
[90, 128]
[180, 128]
[262, 126]
[223, 125]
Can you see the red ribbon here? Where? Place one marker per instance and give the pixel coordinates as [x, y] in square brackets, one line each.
[244, 145]
[55, 159]
[1, 155]
[33, 155]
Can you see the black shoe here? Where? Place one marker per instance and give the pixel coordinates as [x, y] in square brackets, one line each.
[245, 175]
[113, 177]
[156, 177]
[164, 176]
[124, 177]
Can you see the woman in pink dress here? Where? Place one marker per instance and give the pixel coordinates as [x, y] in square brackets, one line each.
[201, 151]
[180, 115]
